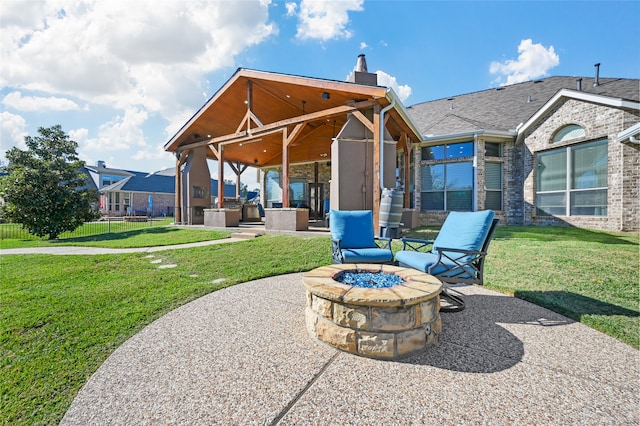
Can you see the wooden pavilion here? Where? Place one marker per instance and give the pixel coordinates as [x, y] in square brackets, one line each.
[264, 119]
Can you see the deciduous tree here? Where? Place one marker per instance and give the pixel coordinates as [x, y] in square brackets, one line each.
[47, 189]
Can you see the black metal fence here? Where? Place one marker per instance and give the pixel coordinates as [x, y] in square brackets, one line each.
[15, 231]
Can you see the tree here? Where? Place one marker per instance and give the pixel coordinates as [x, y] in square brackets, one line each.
[46, 188]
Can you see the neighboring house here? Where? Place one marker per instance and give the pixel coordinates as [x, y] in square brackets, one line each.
[129, 193]
[559, 150]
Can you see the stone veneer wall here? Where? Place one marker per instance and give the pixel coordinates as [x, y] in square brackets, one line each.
[599, 122]
[304, 171]
[383, 323]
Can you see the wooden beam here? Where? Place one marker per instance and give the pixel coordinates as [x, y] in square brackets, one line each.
[377, 175]
[214, 151]
[363, 119]
[177, 214]
[177, 210]
[238, 170]
[221, 177]
[277, 126]
[294, 133]
[285, 168]
[407, 168]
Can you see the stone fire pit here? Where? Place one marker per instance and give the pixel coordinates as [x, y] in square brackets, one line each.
[384, 323]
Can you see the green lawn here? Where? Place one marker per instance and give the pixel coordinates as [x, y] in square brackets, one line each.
[61, 316]
[145, 236]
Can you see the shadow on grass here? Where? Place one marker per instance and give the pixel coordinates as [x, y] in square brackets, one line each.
[116, 235]
[573, 305]
[564, 233]
[540, 233]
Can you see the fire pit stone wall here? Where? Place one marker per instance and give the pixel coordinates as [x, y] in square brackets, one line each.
[385, 323]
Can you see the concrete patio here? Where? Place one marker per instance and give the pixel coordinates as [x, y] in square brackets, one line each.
[242, 355]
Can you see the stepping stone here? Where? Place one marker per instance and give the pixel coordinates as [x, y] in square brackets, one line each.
[246, 235]
[218, 280]
[169, 265]
[157, 261]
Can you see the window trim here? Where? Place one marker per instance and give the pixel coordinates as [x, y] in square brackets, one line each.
[568, 190]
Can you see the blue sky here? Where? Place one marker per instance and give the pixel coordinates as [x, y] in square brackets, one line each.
[121, 77]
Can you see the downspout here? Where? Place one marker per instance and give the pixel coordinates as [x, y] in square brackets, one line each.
[475, 173]
[382, 111]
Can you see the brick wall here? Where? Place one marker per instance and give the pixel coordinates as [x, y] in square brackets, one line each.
[600, 122]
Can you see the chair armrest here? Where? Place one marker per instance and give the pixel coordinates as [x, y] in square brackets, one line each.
[457, 250]
[415, 244]
[336, 251]
[383, 242]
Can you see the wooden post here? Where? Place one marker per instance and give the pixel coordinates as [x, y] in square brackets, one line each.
[180, 159]
[221, 177]
[177, 213]
[285, 169]
[377, 177]
[238, 169]
[407, 170]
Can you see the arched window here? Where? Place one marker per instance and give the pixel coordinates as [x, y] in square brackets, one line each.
[572, 131]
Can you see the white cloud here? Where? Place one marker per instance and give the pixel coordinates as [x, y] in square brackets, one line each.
[363, 45]
[150, 153]
[387, 80]
[120, 134]
[534, 60]
[146, 54]
[16, 101]
[291, 8]
[12, 131]
[326, 19]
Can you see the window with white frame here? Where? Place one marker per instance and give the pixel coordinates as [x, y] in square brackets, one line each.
[573, 180]
[447, 177]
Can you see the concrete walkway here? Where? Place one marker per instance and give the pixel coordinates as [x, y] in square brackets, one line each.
[242, 356]
[66, 250]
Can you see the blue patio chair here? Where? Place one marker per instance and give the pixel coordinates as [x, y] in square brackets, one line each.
[457, 254]
[326, 211]
[353, 241]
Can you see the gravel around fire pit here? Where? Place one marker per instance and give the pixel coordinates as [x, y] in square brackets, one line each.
[369, 279]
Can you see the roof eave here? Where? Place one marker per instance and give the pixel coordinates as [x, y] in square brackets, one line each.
[402, 111]
[581, 96]
[632, 134]
[491, 133]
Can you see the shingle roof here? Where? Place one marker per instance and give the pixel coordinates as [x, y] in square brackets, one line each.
[506, 107]
[159, 183]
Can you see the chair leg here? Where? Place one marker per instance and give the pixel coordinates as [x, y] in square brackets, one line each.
[456, 304]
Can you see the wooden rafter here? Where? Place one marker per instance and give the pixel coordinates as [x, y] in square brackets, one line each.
[363, 119]
[277, 126]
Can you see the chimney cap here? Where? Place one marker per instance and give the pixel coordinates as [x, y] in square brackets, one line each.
[361, 65]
